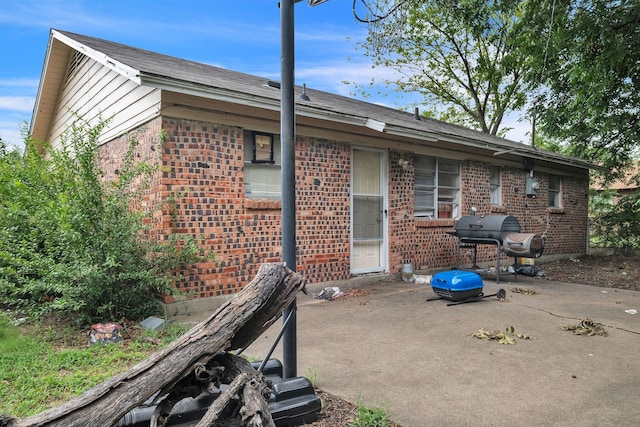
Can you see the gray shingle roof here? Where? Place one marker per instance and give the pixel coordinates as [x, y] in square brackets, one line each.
[154, 65]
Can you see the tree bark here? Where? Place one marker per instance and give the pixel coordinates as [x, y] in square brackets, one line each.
[234, 325]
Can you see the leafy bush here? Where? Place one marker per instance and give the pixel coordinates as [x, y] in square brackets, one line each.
[71, 242]
[615, 221]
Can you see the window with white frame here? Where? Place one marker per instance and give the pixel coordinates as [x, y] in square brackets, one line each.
[262, 165]
[495, 185]
[555, 191]
[436, 187]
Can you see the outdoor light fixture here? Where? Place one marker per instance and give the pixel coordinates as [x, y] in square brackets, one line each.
[262, 148]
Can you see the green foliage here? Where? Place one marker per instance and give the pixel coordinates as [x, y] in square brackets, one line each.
[39, 371]
[365, 416]
[584, 63]
[72, 242]
[615, 221]
[460, 56]
[312, 376]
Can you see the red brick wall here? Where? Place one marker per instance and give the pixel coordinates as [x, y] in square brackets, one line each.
[323, 209]
[426, 244]
[199, 190]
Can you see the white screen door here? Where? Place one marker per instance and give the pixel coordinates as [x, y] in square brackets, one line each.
[368, 212]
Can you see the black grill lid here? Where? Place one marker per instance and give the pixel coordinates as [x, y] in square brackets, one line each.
[486, 226]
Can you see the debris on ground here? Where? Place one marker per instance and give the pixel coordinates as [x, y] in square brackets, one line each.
[152, 323]
[586, 327]
[104, 333]
[334, 293]
[351, 293]
[598, 270]
[508, 336]
[531, 271]
[422, 279]
[329, 293]
[525, 291]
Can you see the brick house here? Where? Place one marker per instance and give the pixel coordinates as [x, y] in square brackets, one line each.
[375, 187]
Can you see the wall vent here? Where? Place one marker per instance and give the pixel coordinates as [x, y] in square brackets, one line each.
[75, 63]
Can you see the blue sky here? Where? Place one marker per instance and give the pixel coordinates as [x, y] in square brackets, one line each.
[241, 35]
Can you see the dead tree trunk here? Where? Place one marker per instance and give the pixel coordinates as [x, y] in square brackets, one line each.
[234, 325]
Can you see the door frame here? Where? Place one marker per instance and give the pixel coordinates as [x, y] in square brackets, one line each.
[384, 244]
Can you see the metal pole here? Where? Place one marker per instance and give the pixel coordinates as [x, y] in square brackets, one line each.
[287, 142]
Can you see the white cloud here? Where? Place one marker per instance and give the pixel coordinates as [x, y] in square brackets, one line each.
[23, 104]
[521, 129]
[11, 134]
[30, 84]
[331, 77]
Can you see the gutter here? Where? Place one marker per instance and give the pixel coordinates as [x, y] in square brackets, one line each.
[246, 99]
[304, 110]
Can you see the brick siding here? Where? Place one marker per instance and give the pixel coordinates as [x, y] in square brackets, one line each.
[199, 190]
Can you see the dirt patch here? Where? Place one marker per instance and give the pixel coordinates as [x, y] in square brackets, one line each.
[607, 271]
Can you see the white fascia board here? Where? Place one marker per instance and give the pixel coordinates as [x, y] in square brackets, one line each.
[34, 112]
[120, 68]
[375, 125]
[273, 104]
[498, 149]
[242, 98]
[209, 92]
[412, 133]
[322, 114]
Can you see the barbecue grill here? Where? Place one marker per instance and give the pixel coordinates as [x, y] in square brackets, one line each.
[503, 231]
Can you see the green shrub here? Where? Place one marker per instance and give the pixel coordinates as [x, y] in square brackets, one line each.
[615, 221]
[73, 243]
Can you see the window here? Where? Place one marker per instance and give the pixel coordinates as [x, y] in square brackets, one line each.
[555, 193]
[262, 165]
[495, 186]
[437, 187]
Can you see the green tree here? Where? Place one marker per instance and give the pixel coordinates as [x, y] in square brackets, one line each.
[71, 242]
[460, 56]
[615, 220]
[582, 60]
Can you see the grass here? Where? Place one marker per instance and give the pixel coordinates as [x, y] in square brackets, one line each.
[370, 416]
[312, 375]
[41, 367]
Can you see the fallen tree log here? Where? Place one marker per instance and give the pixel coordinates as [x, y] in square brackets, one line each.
[234, 325]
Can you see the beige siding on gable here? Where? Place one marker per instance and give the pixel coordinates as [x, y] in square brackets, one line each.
[95, 92]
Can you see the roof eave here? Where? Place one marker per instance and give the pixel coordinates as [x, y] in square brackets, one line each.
[34, 112]
[119, 67]
[246, 99]
[498, 149]
[305, 110]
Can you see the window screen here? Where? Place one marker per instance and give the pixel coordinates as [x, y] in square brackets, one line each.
[436, 187]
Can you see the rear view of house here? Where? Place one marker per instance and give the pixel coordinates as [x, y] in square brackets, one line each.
[375, 187]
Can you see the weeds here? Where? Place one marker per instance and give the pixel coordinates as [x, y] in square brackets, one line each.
[43, 369]
[312, 376]
[366, 416]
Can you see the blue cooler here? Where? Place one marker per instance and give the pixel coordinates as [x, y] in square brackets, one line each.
[457, 285]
